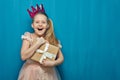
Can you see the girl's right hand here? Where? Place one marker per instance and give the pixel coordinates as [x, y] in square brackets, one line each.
[40, 40]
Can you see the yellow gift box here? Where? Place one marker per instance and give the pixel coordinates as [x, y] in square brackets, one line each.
[46, 51]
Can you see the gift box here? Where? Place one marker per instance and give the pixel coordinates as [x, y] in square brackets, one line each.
[46, 51]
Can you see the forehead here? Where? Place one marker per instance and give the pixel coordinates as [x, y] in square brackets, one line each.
[40, 17]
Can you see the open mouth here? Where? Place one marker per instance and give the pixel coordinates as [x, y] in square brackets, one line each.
[40, 29]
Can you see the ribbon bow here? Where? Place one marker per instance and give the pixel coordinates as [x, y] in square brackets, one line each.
[45, 53]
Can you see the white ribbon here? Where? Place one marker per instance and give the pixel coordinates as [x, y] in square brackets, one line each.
[45, 54]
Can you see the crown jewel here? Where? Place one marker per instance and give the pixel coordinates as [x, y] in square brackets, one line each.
[36, 10]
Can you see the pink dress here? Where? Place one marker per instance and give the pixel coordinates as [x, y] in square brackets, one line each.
[32, 70]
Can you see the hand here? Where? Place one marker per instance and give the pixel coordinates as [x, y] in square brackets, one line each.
[40, 40]
[48, 63]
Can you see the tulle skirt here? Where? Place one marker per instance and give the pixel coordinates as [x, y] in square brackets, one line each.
[32, 70]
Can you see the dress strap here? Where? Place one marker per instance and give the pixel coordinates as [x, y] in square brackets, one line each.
[59, 44]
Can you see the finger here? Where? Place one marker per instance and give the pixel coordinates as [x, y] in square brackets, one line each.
[41, 62]
[46, 41]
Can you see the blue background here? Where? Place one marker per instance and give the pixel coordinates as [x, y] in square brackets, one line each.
[89, 31]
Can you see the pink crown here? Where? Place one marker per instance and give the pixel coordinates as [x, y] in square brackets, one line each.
[36, 10]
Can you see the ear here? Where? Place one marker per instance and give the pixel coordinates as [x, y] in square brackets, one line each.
[32, 25]
[48, 26]
[50, 23]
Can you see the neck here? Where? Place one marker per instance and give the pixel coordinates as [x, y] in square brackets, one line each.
[36, 35]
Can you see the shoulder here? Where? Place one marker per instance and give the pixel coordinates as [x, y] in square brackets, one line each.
[27, 33]
[26, 36]
[59, 44]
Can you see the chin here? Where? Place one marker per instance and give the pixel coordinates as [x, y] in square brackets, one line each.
[40, 34]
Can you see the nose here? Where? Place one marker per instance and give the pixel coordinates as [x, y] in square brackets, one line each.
[40, 24]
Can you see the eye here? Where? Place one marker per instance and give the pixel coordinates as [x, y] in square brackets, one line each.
[37, 22]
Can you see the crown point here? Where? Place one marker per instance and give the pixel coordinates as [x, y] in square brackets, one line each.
[36, 10]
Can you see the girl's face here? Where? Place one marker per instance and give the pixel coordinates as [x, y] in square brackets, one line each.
[40, 24]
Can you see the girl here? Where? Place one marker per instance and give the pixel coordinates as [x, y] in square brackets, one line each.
[43, 32]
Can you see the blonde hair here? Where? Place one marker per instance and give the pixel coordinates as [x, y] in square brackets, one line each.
[49, 35]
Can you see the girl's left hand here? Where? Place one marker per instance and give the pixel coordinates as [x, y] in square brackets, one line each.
[48, 63]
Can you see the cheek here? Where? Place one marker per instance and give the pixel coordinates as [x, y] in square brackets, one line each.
[34, 26]
[45, 26]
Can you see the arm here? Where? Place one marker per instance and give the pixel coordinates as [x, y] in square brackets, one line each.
[58, 61]
[27, 51]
